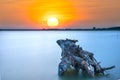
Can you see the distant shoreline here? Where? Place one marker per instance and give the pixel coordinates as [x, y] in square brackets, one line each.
[94, 29]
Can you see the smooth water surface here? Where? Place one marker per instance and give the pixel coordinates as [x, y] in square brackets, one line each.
[35, 55]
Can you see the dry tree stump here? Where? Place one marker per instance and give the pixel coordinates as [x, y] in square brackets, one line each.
[73, 56]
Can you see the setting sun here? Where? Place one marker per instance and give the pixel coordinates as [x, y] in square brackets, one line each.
[52, 22]
[53, 14]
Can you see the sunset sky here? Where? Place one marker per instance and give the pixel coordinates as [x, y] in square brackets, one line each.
[34, 14]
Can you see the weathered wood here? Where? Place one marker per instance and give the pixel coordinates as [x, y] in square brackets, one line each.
[74, 56]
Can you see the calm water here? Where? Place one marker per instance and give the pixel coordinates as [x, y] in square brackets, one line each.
[35, 55]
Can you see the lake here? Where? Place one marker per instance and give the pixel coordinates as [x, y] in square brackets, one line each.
[35, 55]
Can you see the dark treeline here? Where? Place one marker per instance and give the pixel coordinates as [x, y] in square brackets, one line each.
[67, 29]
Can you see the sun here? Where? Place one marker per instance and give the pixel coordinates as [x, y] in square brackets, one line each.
[52, 22]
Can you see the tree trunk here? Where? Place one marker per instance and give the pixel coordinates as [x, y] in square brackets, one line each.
[75, 56]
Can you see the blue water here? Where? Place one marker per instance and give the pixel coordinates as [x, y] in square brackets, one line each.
[35, 55]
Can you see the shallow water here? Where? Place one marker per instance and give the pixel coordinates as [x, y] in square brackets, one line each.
[35, 55]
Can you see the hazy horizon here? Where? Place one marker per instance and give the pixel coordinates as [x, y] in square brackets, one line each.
[15, 28]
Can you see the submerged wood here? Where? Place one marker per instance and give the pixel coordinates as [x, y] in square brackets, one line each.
[73, 56]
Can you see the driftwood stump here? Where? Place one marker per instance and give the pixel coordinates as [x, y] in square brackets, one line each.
[73, 56]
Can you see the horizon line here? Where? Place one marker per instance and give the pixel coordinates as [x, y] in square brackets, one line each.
[63, 29]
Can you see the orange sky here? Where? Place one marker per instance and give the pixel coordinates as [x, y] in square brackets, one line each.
[70, 13]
